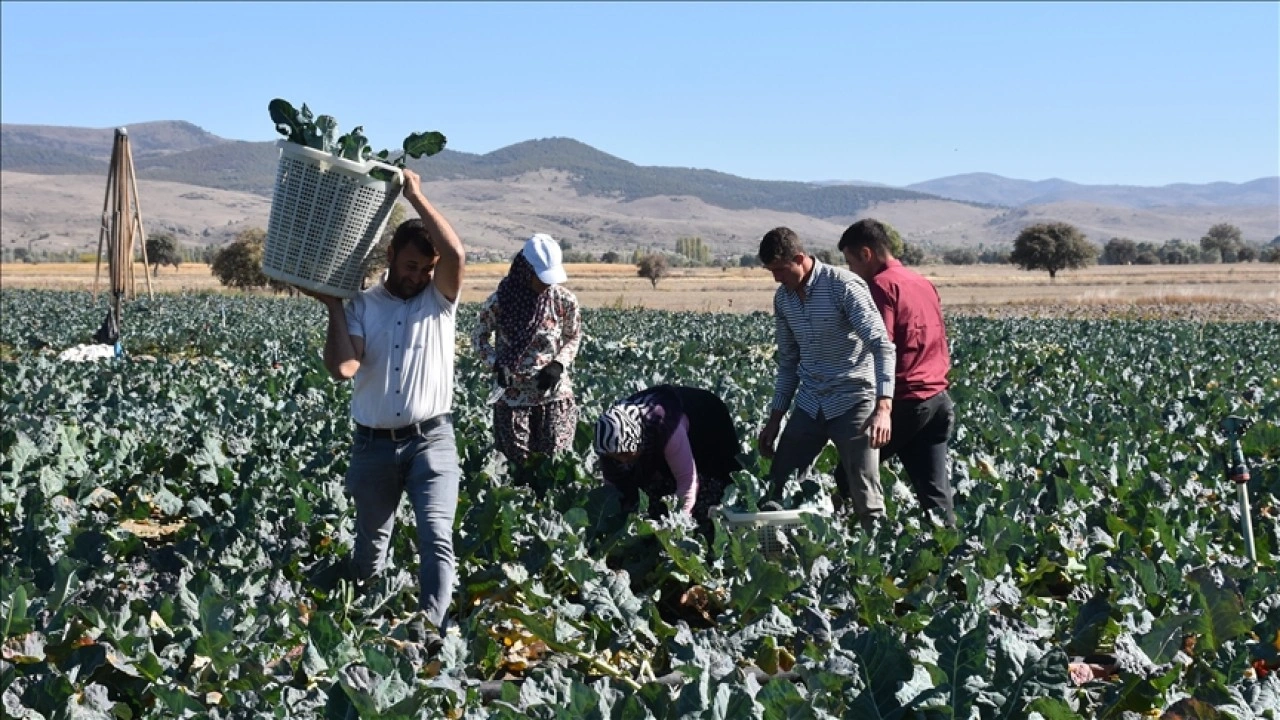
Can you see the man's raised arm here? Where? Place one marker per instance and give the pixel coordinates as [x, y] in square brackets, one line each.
[448, 273]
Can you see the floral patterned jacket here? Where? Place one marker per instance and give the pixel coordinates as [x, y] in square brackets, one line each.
[556, 341]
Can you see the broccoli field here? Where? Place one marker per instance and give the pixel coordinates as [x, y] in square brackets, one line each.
[175, 534]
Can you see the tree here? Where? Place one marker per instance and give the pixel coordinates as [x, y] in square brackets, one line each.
[694, 249]
[1120, 251]
[1210, 256]
[1052, 246]
[653, 268]
[377, 260]
[1225, 238]
[994, 257]
[610, 257]
[577, 256]
[1178, 252]
[1147, 257]
[911, 254]
[1271, 254]
[896, 246]
[162, 249]
[826, 257]
[1247, 253]
[960, 256]
[748, 261]
[239, 264]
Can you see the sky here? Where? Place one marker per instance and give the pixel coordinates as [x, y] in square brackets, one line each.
[1145, 93]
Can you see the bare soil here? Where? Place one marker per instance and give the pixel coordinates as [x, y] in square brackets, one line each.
[1242, 291]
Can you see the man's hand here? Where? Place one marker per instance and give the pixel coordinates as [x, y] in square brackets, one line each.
[549, 375]
[329, 301]
[879, 426]
[412, 184]
[769, 436]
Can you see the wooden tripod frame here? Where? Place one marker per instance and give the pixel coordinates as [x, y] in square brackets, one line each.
[121, 226]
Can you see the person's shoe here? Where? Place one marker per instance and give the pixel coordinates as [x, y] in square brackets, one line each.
[420, 631]
[871, 524]
[432, 642]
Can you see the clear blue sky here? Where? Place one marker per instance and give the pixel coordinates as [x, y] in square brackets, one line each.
[1134, 93]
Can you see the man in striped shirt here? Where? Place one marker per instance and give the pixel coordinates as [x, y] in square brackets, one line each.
[836, 362]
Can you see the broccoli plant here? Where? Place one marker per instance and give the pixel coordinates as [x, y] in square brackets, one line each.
[321, 133]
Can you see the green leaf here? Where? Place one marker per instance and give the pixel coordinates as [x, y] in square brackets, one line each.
[960, 637]
[782, 701]
[1024, 672]
[1223, 617]
[287, 121]
[732, 702]
[1093, 627]
[1053, 709]
[177, 700]
[1136, 694]
[420, 144]
[883, 665]
[15, 614]
[1164, 639]
[763, 584]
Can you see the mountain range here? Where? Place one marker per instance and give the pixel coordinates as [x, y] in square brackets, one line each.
[205, 187]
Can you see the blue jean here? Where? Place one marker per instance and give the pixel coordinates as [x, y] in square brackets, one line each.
[426, 469]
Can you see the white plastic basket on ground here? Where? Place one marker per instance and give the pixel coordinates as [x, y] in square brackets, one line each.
[327, 214]
[769, 526]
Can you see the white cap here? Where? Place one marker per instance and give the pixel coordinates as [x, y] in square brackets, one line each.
[544, 255]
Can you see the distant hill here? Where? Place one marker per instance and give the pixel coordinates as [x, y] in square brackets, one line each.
[148, 138]
[204, 188]
[997, 190]
[181, 152]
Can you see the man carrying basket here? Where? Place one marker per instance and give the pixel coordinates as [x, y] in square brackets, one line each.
[396, 341]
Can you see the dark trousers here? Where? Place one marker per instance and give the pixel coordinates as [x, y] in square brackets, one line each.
[921, 430]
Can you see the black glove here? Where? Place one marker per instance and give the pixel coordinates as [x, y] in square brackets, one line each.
[549, 375]
[502, 376]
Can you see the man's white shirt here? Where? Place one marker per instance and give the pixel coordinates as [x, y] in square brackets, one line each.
[406, 374]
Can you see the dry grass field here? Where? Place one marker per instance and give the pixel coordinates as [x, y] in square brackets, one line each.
[1254, 286]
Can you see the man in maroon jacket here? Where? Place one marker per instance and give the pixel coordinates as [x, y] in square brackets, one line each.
[923, 415]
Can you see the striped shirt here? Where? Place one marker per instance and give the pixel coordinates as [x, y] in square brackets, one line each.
[832, 346]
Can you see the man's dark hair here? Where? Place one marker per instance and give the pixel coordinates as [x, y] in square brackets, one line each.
[867, 233]
[780, 242]
[413, 232]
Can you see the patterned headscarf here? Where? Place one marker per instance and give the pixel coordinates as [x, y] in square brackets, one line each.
[620, 429]
[521, 309]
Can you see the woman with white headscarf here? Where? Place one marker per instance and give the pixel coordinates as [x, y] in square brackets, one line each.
[527, 334]
[669, 440]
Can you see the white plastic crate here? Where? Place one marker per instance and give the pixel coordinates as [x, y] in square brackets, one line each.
[768, 525]
[326, 216]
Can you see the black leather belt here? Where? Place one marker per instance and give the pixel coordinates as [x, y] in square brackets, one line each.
[408, 431]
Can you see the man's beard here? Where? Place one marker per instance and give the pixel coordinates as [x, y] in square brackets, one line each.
[400, 289]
